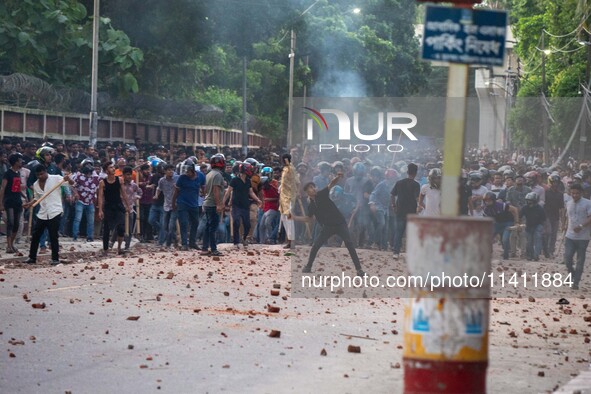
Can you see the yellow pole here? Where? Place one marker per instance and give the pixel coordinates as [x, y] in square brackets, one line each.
[453, 145]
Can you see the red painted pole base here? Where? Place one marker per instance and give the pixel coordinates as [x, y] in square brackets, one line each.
[425, 376]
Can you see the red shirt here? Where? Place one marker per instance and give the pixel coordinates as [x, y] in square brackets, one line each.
[271, 197]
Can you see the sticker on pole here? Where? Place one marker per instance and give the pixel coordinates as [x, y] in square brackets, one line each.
[461, 35]
[420, 320]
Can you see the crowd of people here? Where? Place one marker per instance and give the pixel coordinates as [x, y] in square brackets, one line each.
[197, 198]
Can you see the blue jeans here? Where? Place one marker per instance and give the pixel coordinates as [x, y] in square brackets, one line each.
[258, 235]
[237, 215]
[169, 224]
[188, 221]
[380, 231]
[269, 226]
[65, 217]
[88, 211]
[579, 247]
[502, 228]
[156, 220]
[43, 240]
[211, 226]
[534, 241]
[399, 229]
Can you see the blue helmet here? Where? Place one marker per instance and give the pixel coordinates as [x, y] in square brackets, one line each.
[154, 161]
[336, 193]
[358, 169]
[266, 171]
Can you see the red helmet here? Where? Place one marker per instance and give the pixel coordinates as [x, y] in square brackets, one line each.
[218, 161]
[246, 168]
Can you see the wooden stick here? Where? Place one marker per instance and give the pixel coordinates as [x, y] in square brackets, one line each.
[137, 217]
[358, 336]
[308, 231]
[126, 224]
[30, 223]
[231, 225]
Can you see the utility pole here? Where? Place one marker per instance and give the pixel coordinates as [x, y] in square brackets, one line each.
[583, 137]
[290, 103]
[94, 83]
[244, 120]
[543, 103]
[306, 58]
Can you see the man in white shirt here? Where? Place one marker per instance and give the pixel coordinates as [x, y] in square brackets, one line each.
[578, 233]
[430, 197]
[478, 192]
[50, 212]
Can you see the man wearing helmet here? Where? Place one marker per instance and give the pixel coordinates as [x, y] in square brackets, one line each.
[504, 215]
[533, 181]
[213, 204]
[240, 190]
[478, 192]
[534, 225]
[578, 233]
[430, 196]
[323, 179]
[44, 156]
[185, 200]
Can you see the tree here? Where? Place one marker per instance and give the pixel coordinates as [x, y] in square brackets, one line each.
[555, 26]
[52, 40]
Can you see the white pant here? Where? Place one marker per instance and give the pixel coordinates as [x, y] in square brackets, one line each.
[289, 226]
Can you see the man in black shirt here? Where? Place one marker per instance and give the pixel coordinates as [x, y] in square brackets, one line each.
[332, 221]
[240, 189]
[404, 197]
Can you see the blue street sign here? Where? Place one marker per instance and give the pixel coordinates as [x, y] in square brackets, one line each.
[462, 35]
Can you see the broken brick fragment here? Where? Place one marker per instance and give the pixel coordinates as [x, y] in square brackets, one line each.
[354, 349]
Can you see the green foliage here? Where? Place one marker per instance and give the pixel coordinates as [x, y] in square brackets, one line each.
[225, 99]
[564, 66]
[52, 39]
[194, 50]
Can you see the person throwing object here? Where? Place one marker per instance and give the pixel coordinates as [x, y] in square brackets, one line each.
[332, 221]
